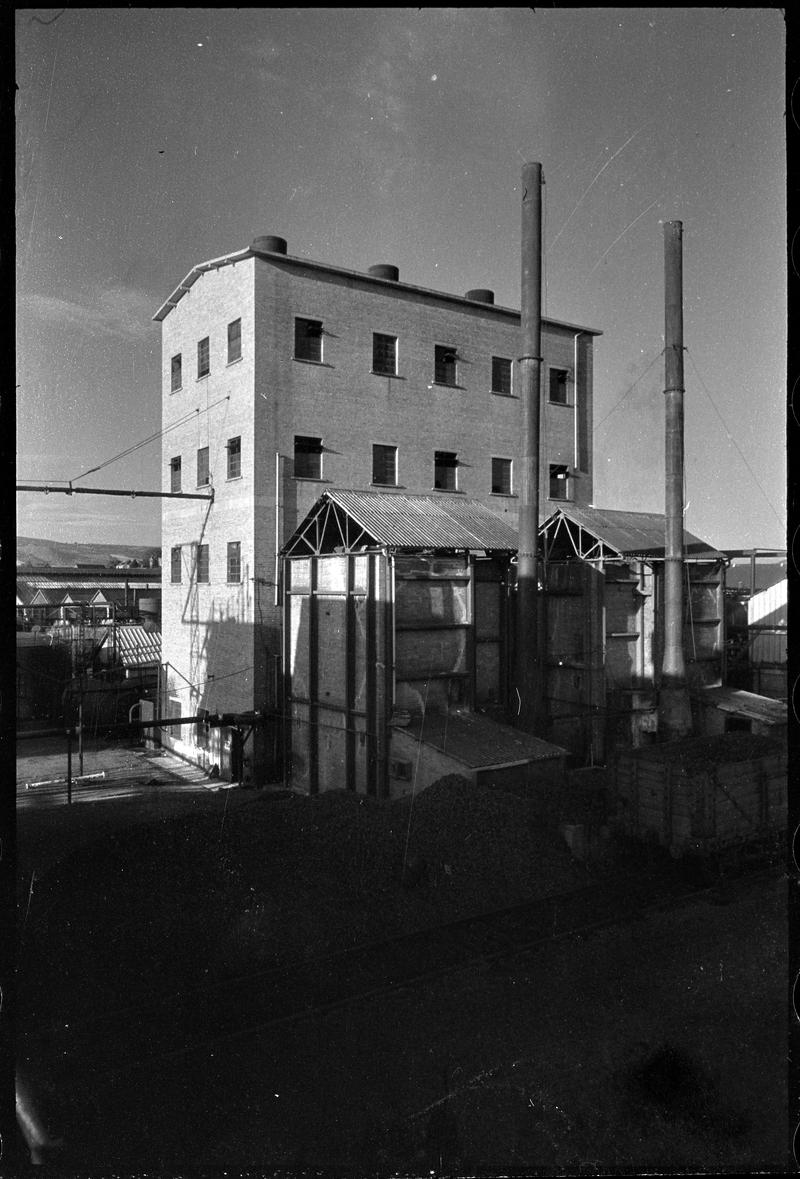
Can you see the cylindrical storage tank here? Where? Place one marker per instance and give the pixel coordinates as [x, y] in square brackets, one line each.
[384, 270]
[270, 244]
[480, 295]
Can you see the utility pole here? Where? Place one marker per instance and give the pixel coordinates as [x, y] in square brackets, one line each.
[674, 709]
[529, 656]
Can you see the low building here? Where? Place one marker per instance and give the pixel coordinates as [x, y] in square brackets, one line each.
[756, 607]
[398, 629]
[604, 589]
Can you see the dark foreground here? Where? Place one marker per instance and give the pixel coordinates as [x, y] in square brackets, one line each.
[657, 1043]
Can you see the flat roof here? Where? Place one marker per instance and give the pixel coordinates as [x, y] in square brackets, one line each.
[294, 262]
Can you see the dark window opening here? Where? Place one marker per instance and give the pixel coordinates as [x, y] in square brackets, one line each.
[444, 365]
[203, 475]
[176, 373]
[558, 385]
[501, 476]
[501, 375]
[308, 339]
[234, 560]
[384, 465]
[234, 458]
[175, 473]
[384, 354]
[175, 564]
[202, 562]
[307, 457]
[203, 358]
[559, 481]
[234, 340]
[445, 470]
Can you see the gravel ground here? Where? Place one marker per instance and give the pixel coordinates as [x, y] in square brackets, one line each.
[660, 1044]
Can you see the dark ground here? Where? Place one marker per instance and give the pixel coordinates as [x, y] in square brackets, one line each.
[660, 1044]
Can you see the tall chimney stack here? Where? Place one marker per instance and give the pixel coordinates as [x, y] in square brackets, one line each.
[529, 657]
[674, 710]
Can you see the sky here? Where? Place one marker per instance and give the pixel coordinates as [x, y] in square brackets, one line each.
[149, 140]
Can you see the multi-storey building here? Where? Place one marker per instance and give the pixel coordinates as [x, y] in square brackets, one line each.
[281, 377]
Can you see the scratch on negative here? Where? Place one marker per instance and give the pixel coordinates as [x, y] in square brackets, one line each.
[592, 182]
[621, 236]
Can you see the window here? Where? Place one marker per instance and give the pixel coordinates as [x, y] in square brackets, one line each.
[234, 560]
[444, 365]
[308, 340]
[501, 476]
[175, 473]
[202, 562]
[307, 457]
[203, 477]
[558, 385]
[501, 375]
[234, 449]
[384, 354]
[235, 340]
[203, 358]
[559, 485]
[384, 465]
[176, 373]
[445, 470]
[175, 564]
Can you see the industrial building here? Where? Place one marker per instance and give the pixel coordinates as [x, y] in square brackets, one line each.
[283, 377]
[398, 628]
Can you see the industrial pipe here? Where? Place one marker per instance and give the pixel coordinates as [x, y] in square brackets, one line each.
[674, 709]
[529, 661]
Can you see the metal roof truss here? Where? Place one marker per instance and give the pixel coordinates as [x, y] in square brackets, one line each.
[330, 530]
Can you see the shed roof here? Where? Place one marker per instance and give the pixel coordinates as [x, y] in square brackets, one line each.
[137, 646]
[747, 704]
[62, 582]
[398, 521]
[625, 534]
[480, 742]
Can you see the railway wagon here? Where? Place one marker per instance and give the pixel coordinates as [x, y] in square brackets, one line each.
[703, 796]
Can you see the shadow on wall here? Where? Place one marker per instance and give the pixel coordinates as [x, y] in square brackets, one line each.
[234, 667]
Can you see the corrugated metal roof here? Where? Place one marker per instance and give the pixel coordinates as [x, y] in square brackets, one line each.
[65, 584]
[633, 533]
[136, 646]
[439, 521]
[747, 704]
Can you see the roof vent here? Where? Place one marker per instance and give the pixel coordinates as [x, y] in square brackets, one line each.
[269, 244]
[480, 295]
[384, 270]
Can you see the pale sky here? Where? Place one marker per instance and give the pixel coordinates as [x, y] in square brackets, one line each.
[152, 139]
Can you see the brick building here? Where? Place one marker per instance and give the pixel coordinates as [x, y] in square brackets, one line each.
[281, 377]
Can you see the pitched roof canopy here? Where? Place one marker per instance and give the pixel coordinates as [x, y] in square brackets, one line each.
[595, 533]
[348, 521]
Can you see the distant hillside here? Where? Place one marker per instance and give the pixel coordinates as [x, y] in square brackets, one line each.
[31, 551]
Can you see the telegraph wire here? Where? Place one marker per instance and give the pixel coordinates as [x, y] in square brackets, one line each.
[145, 441]
[731, 439]
[630, 389]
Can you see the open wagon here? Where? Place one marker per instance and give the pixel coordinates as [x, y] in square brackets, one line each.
[704, 796]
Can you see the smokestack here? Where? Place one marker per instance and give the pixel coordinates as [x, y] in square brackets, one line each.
[529, 661]
[674, 710]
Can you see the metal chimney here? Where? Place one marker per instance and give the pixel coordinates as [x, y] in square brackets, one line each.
[529, 661]
[674, 709]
